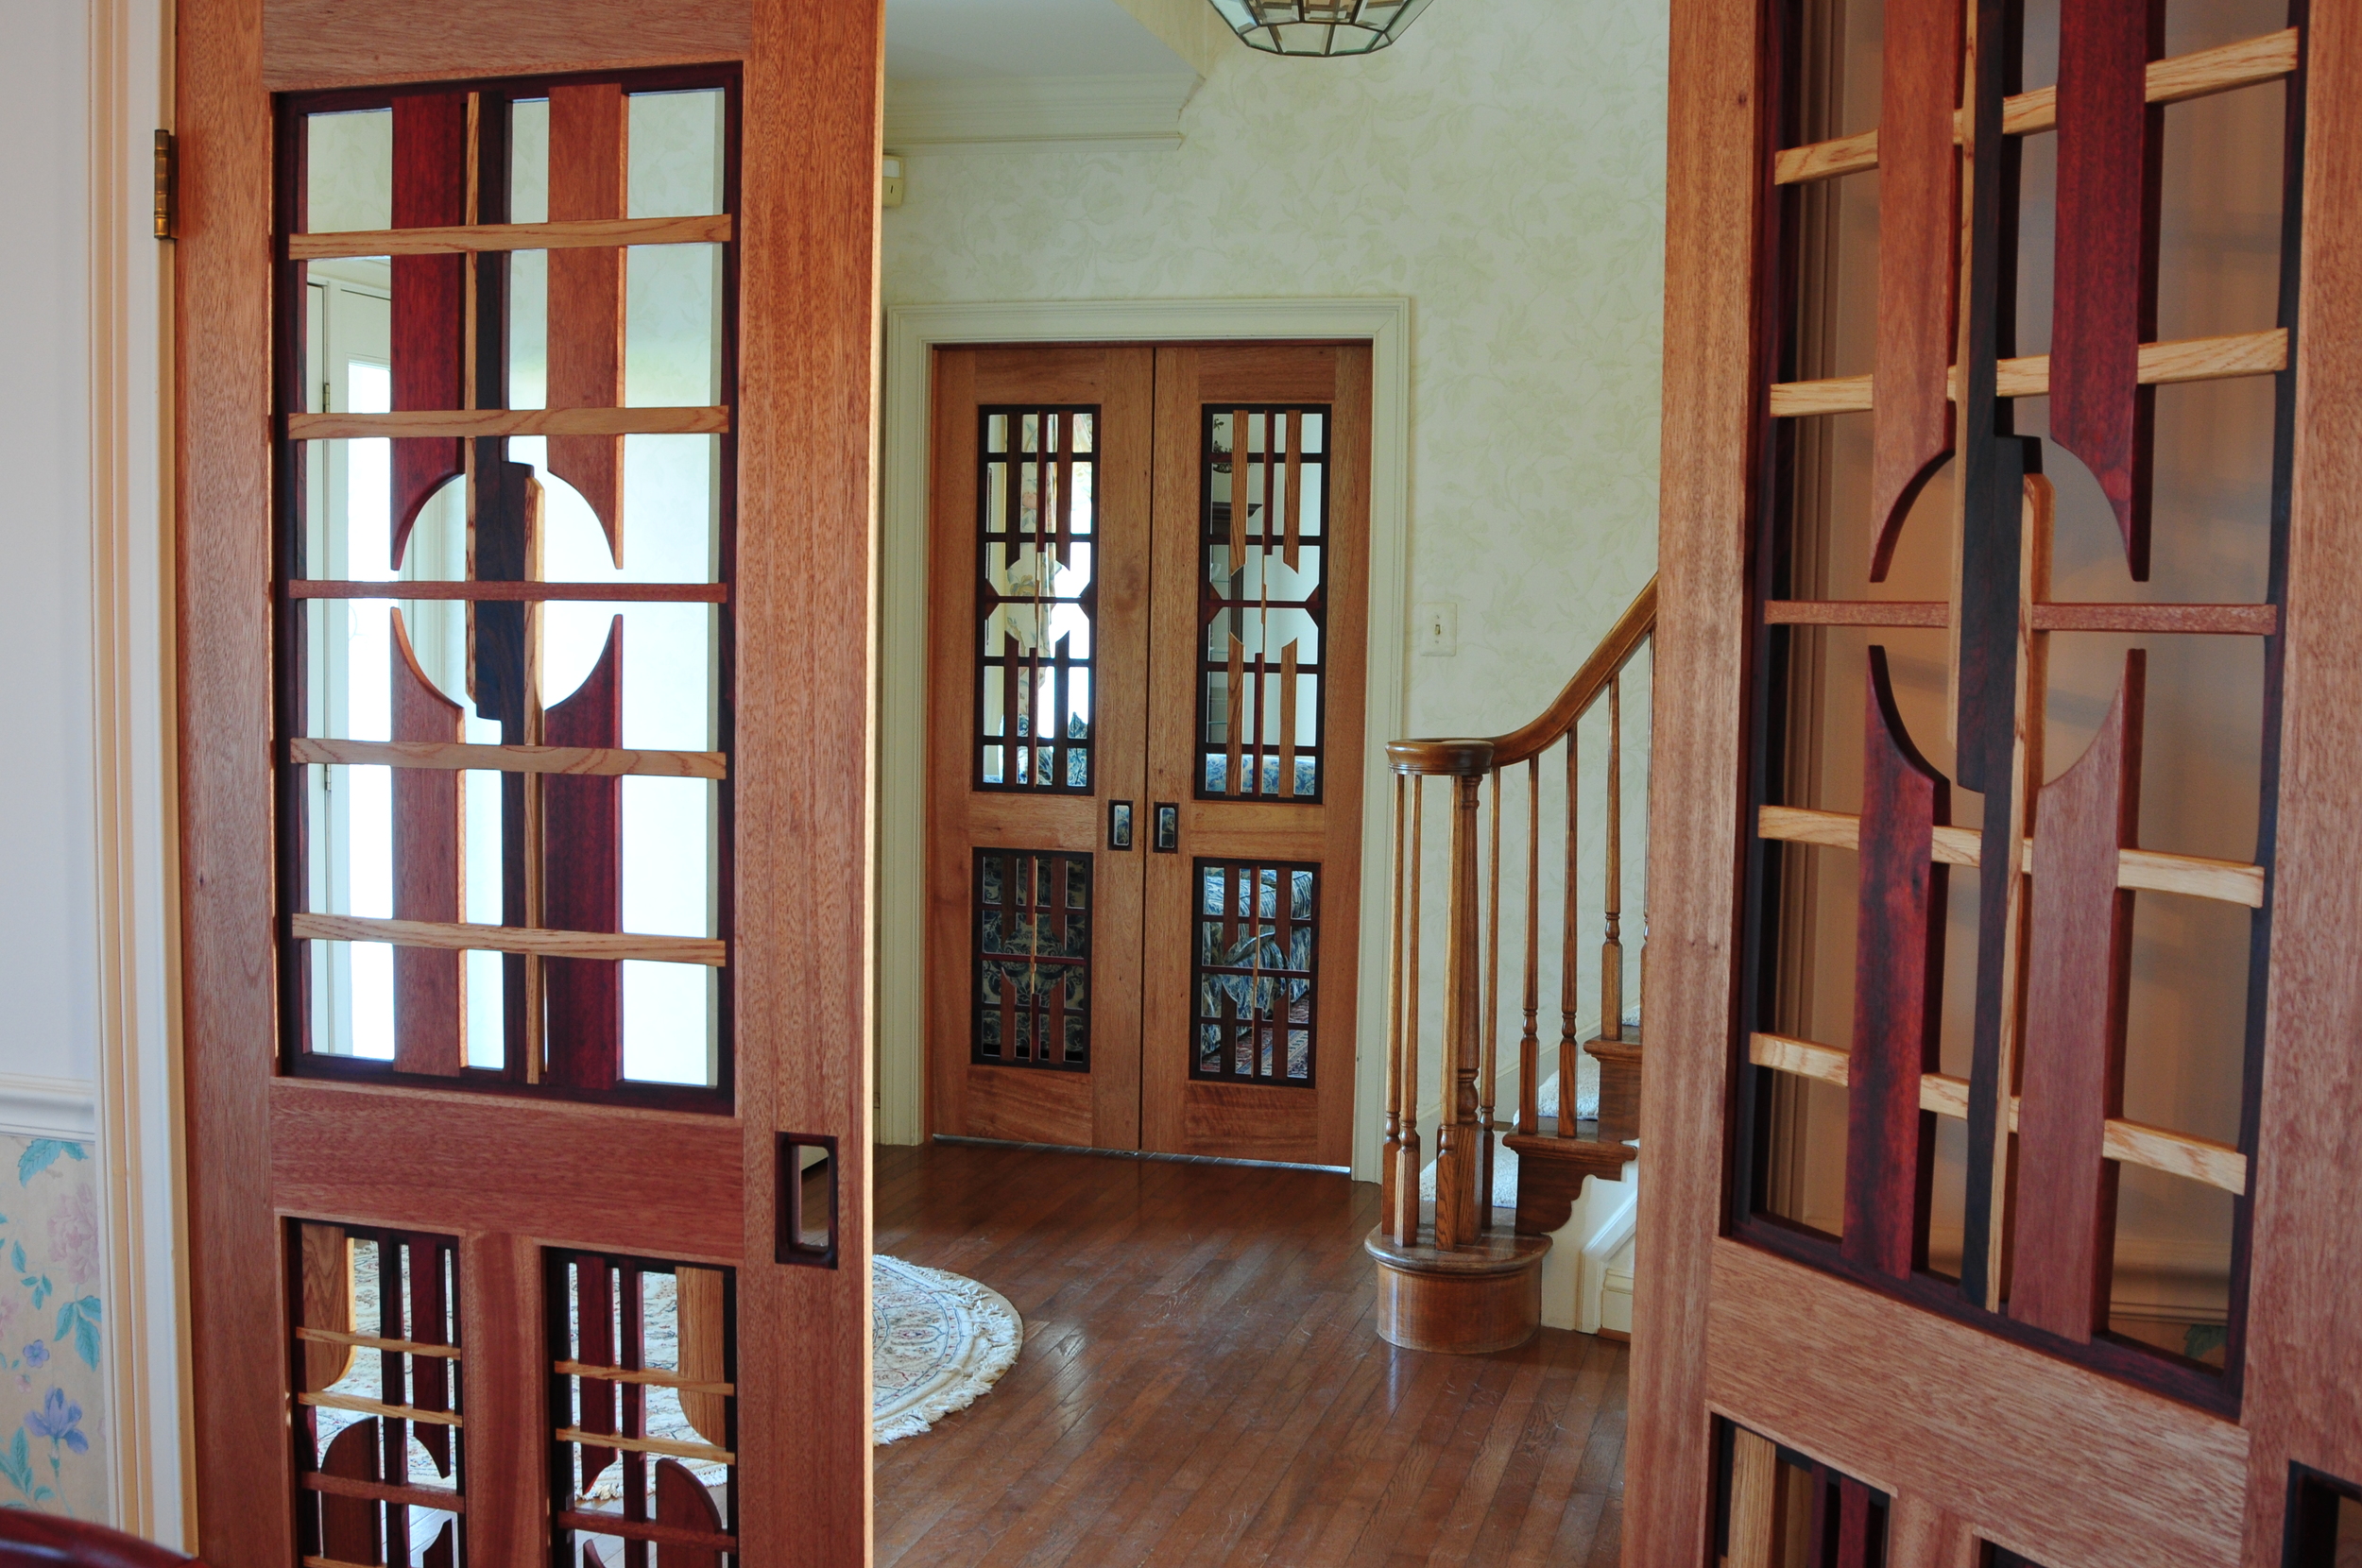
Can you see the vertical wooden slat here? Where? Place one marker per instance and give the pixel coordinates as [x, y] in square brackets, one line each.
[350, 1526]
[590, 171]
[327, 1289]
[1235, 717]
[701, 1296]
[1241, 451]
[1754, 1503]
[1911, 424]
[1394, 967]
[1010, 746]
[430, 1375]
[1288, 719]
[1488, 1069]
[500, 1314]
[428, 824]
[582, 879]
[594, 1346]
[2104, 290]
[428, 319]
[1854, 1547]
[1064, 516]
[1457, 1222]
[1897, 990]
[682, 1502]
[631, 1347]
[2076, 986]
[1294, 417]
[393, 1432]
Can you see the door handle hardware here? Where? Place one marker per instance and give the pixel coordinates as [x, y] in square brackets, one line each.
[1168, 828]
[1119, 824]
[799, 1239]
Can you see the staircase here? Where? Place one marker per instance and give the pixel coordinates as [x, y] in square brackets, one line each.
[1461, 1275]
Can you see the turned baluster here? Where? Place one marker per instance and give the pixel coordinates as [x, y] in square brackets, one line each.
[1489, 1074]
[1612, 949]
[1402, 1215]
[1394, 1030]
[1529, 1044]
[1569, 973]
[1457, 1222]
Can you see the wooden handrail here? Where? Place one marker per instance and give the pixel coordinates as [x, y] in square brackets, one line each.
[1467, 758]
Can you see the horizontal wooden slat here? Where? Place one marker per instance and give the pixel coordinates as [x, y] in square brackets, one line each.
[2197, 74]
[2220, 620]
[653, 1376]
[577, 234]
[412, 1161]
[424, 1497]
[374, 1407]
[2144, 870]
[643, 1529]
[499, 594]
[471, 424]
[648, 1445]
[1857, 612]
[599, 762]
[370, 1341]
[2199, 1159]
[2160, 364]
[453, 935]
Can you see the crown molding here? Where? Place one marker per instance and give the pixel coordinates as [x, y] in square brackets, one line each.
[1037, 113]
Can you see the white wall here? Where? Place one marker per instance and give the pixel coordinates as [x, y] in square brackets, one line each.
[48, 936]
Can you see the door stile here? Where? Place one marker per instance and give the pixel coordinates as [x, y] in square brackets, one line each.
[241, 1509]
[807, 658]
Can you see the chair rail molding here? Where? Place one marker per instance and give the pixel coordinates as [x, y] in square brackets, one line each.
[912, 332]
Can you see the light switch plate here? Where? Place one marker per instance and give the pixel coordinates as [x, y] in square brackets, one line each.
[1437, 630]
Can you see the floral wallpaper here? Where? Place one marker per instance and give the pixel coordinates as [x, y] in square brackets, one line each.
[52, 1392]
[1503, 165]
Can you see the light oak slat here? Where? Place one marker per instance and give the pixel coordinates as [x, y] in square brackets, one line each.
[1857, 612]
[603, 761]
[469, 239]
[511, 938]
[426, 1497]
[474, 422]
[2181, 1154]
[2227, 68]
[372, 1342]
[2161, 364]
[374, 1407]
[2147, 870]
[474, 591]
[654, 1378]
[647, 1445]
[643, 1529]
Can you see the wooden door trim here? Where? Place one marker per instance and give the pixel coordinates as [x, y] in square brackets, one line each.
[912, 334]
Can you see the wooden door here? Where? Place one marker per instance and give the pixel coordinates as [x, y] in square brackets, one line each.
[1095, 977]
[1255, 750]
[2108, 592]
[1038, 584]
[523, 689]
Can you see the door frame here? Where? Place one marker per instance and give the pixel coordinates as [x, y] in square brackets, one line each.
[912, 334]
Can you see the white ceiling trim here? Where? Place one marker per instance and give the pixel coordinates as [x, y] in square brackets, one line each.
[1036, 113]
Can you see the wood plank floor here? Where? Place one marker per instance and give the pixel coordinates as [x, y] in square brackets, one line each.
[1200, 1383]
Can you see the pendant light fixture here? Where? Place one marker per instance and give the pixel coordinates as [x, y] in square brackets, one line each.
[1319, 26]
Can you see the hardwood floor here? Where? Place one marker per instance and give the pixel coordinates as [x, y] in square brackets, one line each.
[1200, 1383]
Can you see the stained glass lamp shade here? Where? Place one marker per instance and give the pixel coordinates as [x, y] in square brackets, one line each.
[1319, 26]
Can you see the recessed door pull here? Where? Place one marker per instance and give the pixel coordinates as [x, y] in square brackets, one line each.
[1168, 828]
[1119, 824]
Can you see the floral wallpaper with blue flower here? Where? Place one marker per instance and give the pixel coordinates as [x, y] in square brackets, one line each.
[52, 1404]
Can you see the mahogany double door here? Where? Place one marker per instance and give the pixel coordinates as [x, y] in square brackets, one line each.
[1147, 572]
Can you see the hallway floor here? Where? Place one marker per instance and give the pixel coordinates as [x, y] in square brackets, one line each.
[1200, 1383]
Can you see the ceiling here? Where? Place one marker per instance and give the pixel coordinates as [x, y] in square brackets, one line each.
[950, 40]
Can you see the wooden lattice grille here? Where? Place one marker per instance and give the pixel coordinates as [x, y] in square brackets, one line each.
[2056, 862]
[1263, 483]
[1033, 920]
[380, 1424]
[642, 1410]
[1036, 598]
[504, 823]
[1254, 972]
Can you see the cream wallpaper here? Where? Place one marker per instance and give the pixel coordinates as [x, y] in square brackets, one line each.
[1504, 166]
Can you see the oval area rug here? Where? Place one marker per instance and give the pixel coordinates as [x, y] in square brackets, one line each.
[938, 1342]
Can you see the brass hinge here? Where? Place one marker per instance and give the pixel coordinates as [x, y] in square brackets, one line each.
[166, 212]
